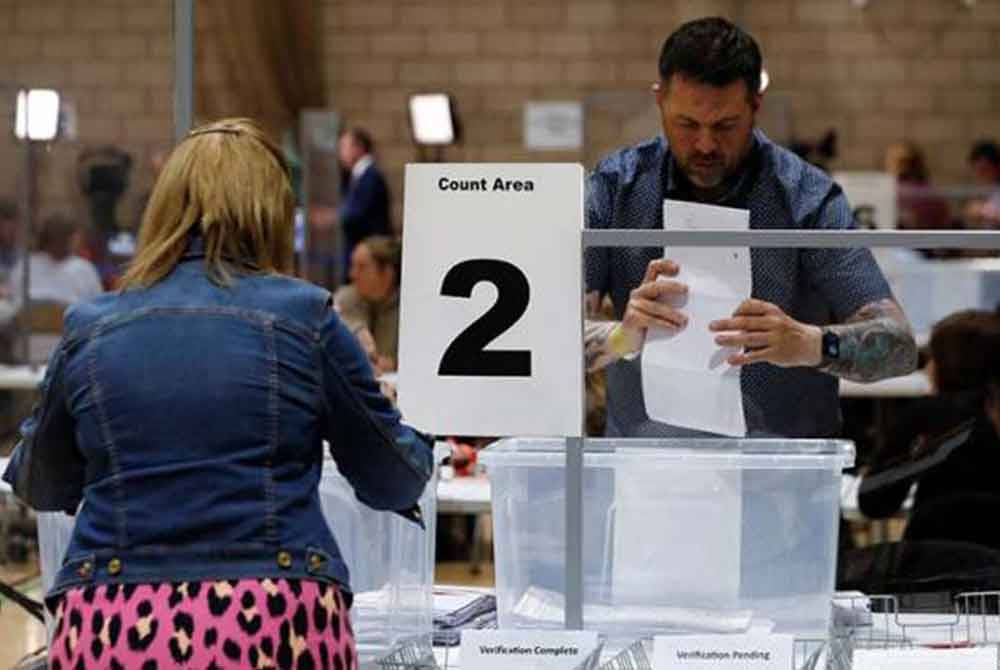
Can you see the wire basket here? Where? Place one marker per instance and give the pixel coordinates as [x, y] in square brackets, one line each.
[973, 621]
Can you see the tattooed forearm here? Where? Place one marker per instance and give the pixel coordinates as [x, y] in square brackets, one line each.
[597, 350]
[602, 344]
[875, 343]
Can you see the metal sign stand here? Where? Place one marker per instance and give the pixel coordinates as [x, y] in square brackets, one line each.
[28, 199]
[183, 68]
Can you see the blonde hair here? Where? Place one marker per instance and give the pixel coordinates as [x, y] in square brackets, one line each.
[227, 182]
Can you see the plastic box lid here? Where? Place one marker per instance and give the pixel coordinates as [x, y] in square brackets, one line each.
[714, 453]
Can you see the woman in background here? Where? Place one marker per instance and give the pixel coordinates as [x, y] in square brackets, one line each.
[964, 370]
[919, 207]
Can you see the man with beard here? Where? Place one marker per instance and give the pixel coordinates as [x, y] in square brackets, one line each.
[815, 315]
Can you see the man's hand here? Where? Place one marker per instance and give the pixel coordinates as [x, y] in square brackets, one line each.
[647, 307]
[384, 364]
[768, 335]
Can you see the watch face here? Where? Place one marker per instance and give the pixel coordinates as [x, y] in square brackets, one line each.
[831, 345]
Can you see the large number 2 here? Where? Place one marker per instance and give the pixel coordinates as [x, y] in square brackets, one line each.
[466, 356]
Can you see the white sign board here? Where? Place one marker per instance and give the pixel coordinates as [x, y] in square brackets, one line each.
[491, 317]
[872, 196]
[526, 649]
[978, 658]
[553, 125]
[732, 652]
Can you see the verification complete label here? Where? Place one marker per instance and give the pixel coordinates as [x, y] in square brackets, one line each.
[526, 649]
[723, 652]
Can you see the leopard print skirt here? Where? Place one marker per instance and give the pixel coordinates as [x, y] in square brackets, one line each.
[246, 624]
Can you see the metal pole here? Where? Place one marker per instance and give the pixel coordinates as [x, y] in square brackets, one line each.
[183, 68]
[27, 225]
[573, 585]
[798, 239]
[574, 533]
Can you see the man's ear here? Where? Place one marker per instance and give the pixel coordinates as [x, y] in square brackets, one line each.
[755, 102]
[659, 92]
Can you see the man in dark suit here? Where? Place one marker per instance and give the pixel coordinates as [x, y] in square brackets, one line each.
[364, 206]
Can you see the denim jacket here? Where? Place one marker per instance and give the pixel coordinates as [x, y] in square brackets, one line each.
[189, 419]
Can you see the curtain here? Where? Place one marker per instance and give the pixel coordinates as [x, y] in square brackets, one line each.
[259, 58]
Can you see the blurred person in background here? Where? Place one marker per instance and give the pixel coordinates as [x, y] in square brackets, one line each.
[182, 419]
[10, 221]
[964, 371]
[57, 273]
[919, 207]
[364, 208]
[58, 277]
[364, 204]
[104, 175]
[369, 305]
[984, 159]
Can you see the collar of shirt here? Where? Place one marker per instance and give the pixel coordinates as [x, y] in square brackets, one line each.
[359, 168]
[677, 186]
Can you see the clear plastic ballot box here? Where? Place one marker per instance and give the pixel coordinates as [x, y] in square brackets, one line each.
[679, 536]
[391, 562]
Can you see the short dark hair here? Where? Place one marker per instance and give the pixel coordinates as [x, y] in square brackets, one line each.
[965, 347]
[8, 210]
[363, 138]
[57, 230]
[712, 51]
[985, 150]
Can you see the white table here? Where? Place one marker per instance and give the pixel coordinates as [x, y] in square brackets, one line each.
[21, 377]
[461, 495]
[886, 631]
[914, 385]
[467, 495]
[464, 495]
[471, 495]
[931, 290]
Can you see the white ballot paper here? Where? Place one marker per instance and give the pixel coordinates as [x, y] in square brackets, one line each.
[667, 566]
[685, 377]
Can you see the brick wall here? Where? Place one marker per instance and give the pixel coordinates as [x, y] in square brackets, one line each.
[925, 70]
[113, 62]
[921, 69]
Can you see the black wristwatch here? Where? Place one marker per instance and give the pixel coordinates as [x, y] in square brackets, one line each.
[830, 346]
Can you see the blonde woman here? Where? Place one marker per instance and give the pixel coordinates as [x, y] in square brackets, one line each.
[187, 414]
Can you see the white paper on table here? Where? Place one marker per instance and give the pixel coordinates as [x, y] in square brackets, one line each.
[686, 380]
[665, 565]
[543, 605]
[977, 658]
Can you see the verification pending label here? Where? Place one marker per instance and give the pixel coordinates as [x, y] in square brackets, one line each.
[723, 652]
[526, 649]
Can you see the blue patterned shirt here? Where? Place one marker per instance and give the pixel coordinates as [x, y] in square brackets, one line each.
[817, 286]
